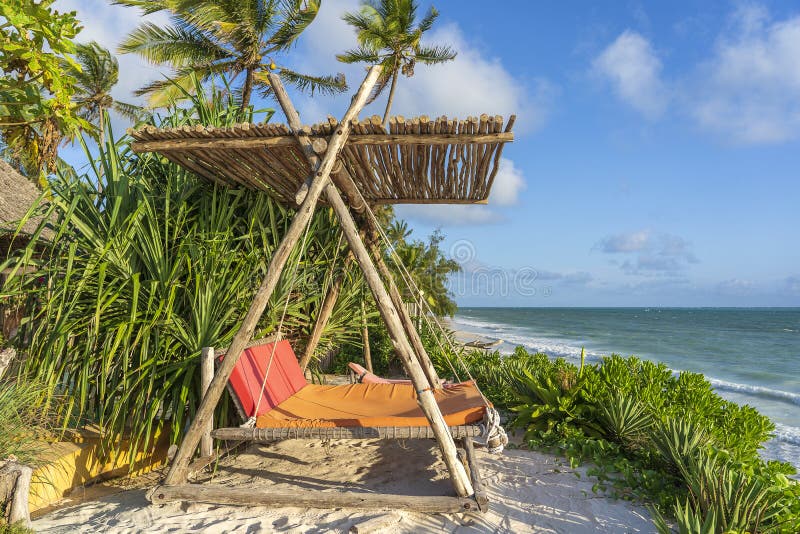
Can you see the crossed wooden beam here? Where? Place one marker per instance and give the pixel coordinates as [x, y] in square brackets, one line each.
[328, 178]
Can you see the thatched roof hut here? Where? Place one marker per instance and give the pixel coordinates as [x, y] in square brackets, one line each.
[17, 195]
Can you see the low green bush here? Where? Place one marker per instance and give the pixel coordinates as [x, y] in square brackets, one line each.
[650, 434]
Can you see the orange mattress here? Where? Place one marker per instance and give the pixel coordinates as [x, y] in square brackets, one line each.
[371, 405]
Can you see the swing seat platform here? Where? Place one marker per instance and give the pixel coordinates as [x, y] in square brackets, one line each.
[267, 383]
[291, 408]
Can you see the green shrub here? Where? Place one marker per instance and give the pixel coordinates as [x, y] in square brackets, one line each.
[145, 271]
[16, 528]
[665, 438]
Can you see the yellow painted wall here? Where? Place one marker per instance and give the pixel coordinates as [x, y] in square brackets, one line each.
[69, 465]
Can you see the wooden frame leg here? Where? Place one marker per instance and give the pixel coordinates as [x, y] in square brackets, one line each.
[365, 338]
[310, 499]
[425, 398]
[179, 471]
[206, 375]
[481, 497]
[397, 299]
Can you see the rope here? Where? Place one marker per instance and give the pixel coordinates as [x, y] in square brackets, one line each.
[409, 282]
[494, 436]
[411, 285]
[251, 422]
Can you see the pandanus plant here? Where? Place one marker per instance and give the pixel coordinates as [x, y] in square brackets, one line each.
[142, 273]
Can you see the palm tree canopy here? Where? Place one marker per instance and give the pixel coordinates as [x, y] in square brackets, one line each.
[94, 80]
[207, 38]
[389, 35]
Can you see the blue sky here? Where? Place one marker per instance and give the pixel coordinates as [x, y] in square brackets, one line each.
[656, 158]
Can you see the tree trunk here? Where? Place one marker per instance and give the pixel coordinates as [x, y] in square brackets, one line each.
[247, 89]
[391, 99]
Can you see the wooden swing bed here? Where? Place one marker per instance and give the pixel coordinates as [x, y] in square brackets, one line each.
[348, 165]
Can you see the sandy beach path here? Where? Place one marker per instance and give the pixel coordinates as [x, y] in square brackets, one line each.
[530, 492]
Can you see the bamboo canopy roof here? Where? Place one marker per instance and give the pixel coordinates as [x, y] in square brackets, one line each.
[417, 161]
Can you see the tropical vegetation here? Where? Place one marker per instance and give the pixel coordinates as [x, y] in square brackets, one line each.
[96, 71]
[649, 434]
[149, 264]
[389, 35]
[241, 40]
[36, 108]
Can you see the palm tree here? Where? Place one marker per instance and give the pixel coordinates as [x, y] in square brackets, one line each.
[387, 36]
[210, 38]
[98, 74]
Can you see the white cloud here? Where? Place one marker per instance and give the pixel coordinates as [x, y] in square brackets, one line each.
[471, 84]
[628, 242]
[750, 88]
[508, 184]
[648, 252]
[736, 286]
[631, 66]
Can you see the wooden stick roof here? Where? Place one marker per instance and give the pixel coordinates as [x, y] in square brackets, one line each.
[418, 161]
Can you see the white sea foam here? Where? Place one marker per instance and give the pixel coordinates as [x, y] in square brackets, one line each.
[787, 434]
[564, 349]
[462, 321]
[757, 391]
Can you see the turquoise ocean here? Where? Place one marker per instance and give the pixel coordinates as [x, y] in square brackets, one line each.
[750, 355]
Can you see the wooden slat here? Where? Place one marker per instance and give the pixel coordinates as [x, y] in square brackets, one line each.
[309, 499]
[159, 144]
[415, 161]
[266, 435]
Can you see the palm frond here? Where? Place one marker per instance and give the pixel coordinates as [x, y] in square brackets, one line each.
[172, 44]
[380, 85]
[148, 7]
[431, 55]
[427, 21]
[327, 85]
[296, 17]
[360, 54]
[129, 111]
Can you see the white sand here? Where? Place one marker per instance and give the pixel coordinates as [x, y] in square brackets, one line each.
[530, 492]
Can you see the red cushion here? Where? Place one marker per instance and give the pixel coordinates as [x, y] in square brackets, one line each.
[284, 380]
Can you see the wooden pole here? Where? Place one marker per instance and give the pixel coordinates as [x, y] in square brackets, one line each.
[15, 487]
[408, 324]
[179, 471]
[481, 497]
[345, 182]
[365, 338]
[216, 142]
[402, 347]
[206, 374]
[425, 398]
[310, 499]
[325, 312]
